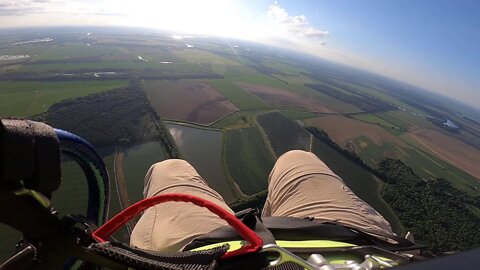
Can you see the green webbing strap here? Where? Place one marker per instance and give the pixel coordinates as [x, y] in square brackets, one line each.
[310, 244]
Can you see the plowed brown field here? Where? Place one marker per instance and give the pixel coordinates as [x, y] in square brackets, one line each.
[281, 98]
[341, 129]
[452, 150]
[188, 101]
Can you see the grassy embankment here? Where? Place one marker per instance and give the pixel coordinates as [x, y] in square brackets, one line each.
[22, 99]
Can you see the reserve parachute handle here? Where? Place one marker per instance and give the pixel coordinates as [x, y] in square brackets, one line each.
[255, 242]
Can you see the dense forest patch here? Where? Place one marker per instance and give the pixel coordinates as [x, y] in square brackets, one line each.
[121, 116]
[438, 214]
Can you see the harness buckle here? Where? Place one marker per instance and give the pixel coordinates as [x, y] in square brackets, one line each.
[318, 262]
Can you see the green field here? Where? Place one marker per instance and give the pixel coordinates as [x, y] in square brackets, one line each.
[362, 183]
[213, 63]
[261, 79]
[75, 50]
[283, 134]
[72, 196]
[373, 119]
[376, 91]
[411, 119]
[336, 104]
[372, 153]
[388, 117]
[195, 56]
[239, 119]
[248, 160]
[22, 99]
[134, 63]
[114, 202]
[297, 114]
[122, 234]
[242, 99]
[324, 99]
[138, 160]
[423, 163]
[30, 49]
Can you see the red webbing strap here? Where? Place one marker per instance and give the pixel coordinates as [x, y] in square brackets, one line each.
[255, 242]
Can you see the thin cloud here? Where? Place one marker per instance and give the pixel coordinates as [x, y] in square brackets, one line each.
[25, 7]
[75, 7]
[296, 24]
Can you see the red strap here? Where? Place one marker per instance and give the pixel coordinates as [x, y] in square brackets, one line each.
[106, 230]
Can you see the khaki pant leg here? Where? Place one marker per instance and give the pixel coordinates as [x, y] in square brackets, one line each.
[170, 226]
[301, 185]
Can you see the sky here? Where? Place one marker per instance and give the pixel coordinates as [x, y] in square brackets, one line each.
[434, 44]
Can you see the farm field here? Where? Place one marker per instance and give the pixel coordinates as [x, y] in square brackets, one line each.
[373, 119]
[29, 98]
[336, 104]
[138, 160]
[213, 62]
[202, 148]
[297, 114]
[284, 99]
[132, 64]
[108, 159]
[396, 121]
[342, 129]
[196, 56]
[359, 100]
[283, 134]
[191, 101]
[72, 196]
[242, 99]
[239, 119]
[425, 164]
[463, 156]
[360, 181]
[260, 79]
[72, 50]
[372, 143]
[372, 152]
[410, 119]
[248, 159]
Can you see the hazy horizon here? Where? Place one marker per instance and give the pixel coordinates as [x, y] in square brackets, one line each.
[430, 44]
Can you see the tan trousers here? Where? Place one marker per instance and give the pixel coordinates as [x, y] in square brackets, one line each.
[300, 185]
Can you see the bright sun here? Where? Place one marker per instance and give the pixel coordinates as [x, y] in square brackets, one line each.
[206, 17]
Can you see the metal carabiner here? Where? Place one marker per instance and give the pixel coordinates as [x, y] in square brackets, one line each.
[318, 262]
[285, 256]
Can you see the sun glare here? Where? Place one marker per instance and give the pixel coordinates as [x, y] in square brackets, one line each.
[200, 17]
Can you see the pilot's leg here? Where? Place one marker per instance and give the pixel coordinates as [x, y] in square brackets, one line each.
[170, 226]
[301, 185]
